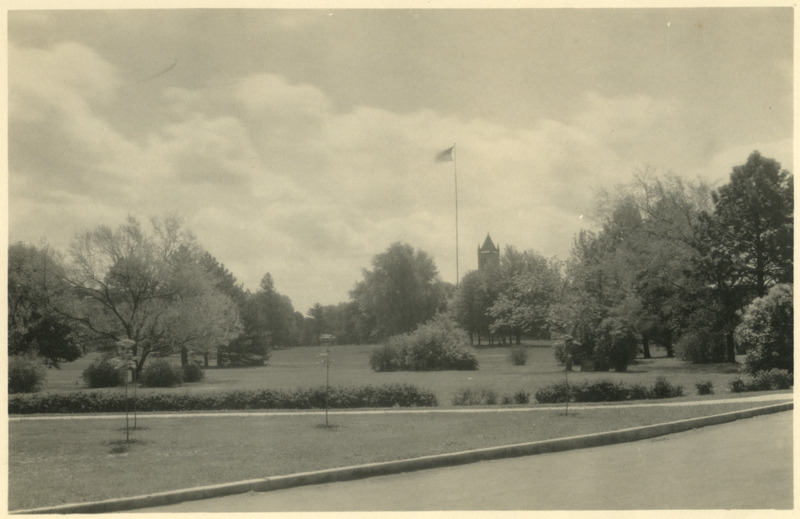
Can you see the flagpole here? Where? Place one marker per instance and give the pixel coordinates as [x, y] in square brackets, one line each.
[455, 177]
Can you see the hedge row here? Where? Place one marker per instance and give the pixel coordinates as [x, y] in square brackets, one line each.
[389, 395]
[764, 380]
[606, 391]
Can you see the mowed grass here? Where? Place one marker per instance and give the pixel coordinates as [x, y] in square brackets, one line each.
[301, 367]
[54, 462]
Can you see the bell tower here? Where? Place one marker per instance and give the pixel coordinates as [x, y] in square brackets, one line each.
[488, 254]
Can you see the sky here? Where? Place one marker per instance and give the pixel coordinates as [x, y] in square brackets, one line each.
[302, 142]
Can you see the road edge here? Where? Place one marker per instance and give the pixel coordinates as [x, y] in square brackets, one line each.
[407, 465]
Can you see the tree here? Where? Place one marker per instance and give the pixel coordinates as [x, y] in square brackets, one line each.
[269, 316]
[528, 286]
[766, 331]
[475, 296]
[144, 287]
[754, 213]
[401, 291]
[33, 286]
[745, 244]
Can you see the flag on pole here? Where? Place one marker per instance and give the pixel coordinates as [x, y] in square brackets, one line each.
[446, 155]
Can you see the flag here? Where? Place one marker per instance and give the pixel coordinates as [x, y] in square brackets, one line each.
[446, 155]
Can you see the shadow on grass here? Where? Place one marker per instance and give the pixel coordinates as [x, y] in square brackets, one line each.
[122, 446]
[329, 427]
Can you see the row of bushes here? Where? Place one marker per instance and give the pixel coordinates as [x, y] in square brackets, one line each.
[471, 396]
[103, 372]
[606, 391]
[389, 395]
[764, 380]
[435, 346]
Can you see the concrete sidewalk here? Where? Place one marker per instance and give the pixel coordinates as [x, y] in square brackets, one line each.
[394, 467]
[775, 397]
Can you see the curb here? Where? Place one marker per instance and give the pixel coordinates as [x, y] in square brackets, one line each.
[408, 465]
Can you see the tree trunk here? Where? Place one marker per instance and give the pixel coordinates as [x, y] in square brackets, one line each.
[205, 359]
[730, 350]
[646, 346]
[184, 356]
[668, 345]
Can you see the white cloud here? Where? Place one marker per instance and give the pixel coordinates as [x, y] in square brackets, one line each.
[271, 177]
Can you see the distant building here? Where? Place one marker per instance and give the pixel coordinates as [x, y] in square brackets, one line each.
[488, 254]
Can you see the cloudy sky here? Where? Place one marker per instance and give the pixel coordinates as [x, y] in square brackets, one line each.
[302, 142]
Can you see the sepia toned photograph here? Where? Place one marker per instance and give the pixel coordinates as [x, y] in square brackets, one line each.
[410, 258]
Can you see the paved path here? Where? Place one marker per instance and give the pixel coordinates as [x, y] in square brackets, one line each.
[767, 398]
[746, 464]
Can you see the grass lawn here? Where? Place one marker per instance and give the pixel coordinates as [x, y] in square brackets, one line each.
[300, 367]
[67, 461]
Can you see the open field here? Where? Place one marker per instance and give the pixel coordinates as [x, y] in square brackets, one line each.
[300, 367]
[72, 460]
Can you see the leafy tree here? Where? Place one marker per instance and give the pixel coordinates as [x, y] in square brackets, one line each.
[529, 284]
[745, 244]
[475, 296]
[269, 316]
[754, 215]
[34, 284]
[401, 291]
[145, 287]
[766, 331]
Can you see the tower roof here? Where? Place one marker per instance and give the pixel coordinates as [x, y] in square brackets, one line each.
[488, 245]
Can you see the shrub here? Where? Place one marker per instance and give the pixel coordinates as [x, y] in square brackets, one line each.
[26, 373]
[569, 352]
[665, 389]
[161, 373]
[780, 378]
[616, 344]
[101, 373]
[390, 395]
[435, 346]
[522, 397]
[245, 350]
[192, 373]
[386, 357]
[554, 394]
[705, 387]
[766, 331]
[737, 385]
[701, 346]
[765, 380]
[518, 355]
[605, 391]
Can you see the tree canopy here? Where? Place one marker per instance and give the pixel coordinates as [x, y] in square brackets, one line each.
[402, 291]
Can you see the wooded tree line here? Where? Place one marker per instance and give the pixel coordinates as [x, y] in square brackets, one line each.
[673, 263]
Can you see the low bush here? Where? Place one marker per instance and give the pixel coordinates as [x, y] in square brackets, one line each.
[518, 355]
[662, 388]
[435, 346]
[705, 387]
[101, 373]
[605, 391]
[161, 373]
[26, 373]
[469, 396]
[389, 395]
[522, 397]
[192, 373]
[765, 380]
